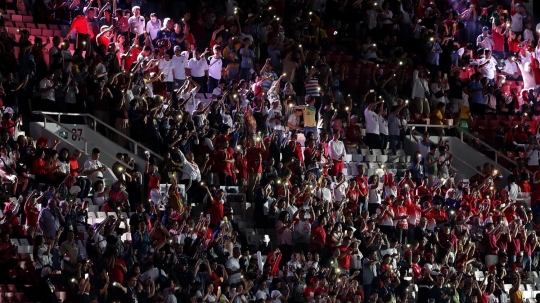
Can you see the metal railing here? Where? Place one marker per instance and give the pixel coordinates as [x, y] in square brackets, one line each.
[79, 137]
[464, 133]
[96, 121]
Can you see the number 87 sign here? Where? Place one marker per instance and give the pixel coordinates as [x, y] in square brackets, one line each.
[76, 134]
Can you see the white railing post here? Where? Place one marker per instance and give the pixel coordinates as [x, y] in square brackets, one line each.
[496, 153]
[461, 135]
[86, 147]
[95, 122]
[135, 146]
[59, 115]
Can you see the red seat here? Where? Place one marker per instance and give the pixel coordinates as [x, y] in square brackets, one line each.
[355, 71]
[501, 117]
[512, 118]
[478, 117]
[482, 124]
[489, 117]
[493, 124]
[347, 58]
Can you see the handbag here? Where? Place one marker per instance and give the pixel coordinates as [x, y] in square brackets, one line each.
[439, 94]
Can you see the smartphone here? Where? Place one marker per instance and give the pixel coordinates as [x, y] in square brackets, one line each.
[85, 276]
[445, 76]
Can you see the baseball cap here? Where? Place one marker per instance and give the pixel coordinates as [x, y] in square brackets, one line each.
[485, 28]
[177, 48]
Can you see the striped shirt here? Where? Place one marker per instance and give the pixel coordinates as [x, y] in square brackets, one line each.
[312, 87]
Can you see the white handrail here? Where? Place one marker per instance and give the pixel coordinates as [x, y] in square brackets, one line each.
[46, 117]
[96, 120]
[497, 153]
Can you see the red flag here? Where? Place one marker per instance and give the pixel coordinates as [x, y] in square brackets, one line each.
[275, 268]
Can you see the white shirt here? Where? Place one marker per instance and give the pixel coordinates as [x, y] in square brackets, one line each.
[214, 68]
[63, 166]
[517, 22]
[372, 122]
[340, 192]
[261, 295]
[374, 196]
[99, 200]
[191, 170]
[276, 293]
[43, 260]
[136, 25]
[532, 154]
[153, 28]
[488, 70]
[383, 126]
[152, 273]
[420, 86]
[303, 227]
[46, 83]
[197, 67]
[510, 67]
[233, 264]
[488, 42]
[179, 66]
[166, 67]
[513, 191]
[93, 164]
[528, 35]
[337, 149]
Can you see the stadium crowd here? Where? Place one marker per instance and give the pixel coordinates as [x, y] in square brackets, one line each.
[270, 98]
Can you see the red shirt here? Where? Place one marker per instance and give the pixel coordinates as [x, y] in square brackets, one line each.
[490, 244]
[354, 133]
[103, 40]
[254, 159]
[32, 214]
[241, 165]
[362, 184]
[498, 41]
[513, 46]
[216, 211]
[39, 167]
[296, 150]
[345, 262]
[308, 292]
[81, 25]
[116, 274]
[9, 125]
[319, 234]
[73, 165]
[223, 166]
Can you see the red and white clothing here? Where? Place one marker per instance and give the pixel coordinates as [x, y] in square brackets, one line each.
[415, 213]
[398, 212]
[386, 219]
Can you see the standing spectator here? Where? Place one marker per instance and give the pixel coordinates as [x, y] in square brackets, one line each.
[420, 93]
[214, 68]
[247, 59]
[373, 138]
[197, 68]
[49, 219]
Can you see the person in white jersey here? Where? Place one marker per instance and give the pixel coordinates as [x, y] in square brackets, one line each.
[373, 138]
[179, 62]
[136, 23]
[214, 68]
[337, 154]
